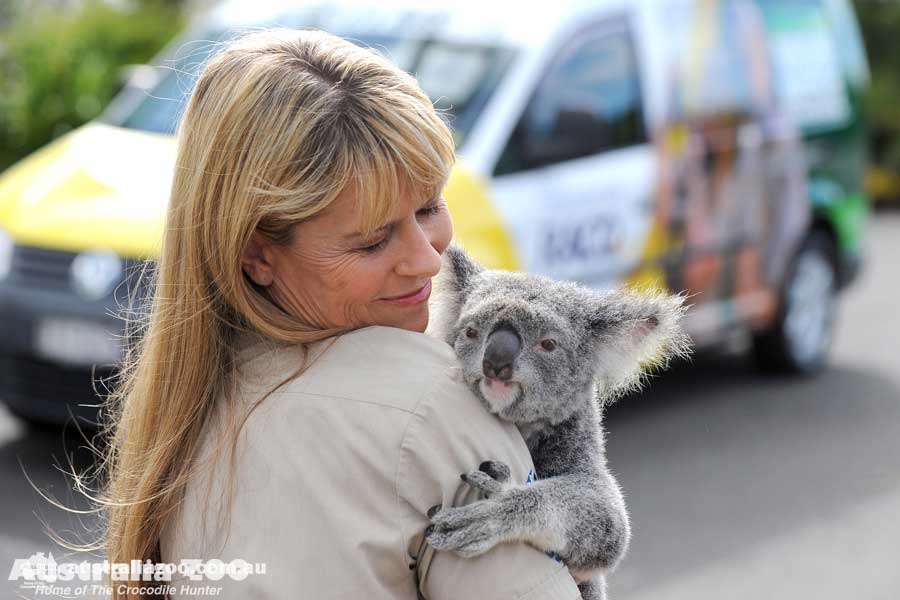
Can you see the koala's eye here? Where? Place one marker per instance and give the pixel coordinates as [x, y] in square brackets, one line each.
[471, 332]
[548, 344]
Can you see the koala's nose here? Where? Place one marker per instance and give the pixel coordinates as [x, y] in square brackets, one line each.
[502, 347]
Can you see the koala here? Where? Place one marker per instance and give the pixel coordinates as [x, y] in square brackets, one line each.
[548, 355]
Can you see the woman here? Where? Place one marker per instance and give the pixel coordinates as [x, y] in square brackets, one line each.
[283, 405]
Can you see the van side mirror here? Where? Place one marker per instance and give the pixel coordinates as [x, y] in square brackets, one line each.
[142, 77]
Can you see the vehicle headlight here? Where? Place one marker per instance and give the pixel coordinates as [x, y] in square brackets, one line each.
[96, 273]
[6, 251]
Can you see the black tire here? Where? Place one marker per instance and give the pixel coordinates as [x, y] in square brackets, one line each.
[800, 338]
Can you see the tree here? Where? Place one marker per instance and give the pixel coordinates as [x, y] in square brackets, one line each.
[60, 65]
[880, 23]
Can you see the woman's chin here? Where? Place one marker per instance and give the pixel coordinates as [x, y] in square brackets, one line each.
[411, 321]
[420, 323]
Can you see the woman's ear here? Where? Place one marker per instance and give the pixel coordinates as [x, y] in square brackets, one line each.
[256, 261]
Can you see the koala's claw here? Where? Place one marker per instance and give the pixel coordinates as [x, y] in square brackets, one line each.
[594, 589]
[461, 543]
[483, 482]
[474, 548]
[496, 469]
[466, 530]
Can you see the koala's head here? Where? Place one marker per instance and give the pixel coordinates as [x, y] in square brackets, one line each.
[535, 350]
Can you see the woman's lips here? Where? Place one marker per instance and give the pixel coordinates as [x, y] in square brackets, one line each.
[414, 298]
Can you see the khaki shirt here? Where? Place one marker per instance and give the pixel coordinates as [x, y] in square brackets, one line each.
[334, 474]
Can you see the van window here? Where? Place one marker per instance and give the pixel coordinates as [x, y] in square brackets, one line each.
[808, 77]
[714, 49]
[155, 100]
[459, 78]
[739, 57]
[588, 102]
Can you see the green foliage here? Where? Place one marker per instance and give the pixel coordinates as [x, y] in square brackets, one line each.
[59, 68]
[880, 23]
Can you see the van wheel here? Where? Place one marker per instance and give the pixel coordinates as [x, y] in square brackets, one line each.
[799, 340]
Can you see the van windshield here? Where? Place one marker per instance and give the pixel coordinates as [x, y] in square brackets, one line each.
[458, 77]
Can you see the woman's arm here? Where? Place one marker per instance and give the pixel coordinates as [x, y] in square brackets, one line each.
[452, 433]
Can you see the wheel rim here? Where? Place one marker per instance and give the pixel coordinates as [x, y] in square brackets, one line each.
[810, 306]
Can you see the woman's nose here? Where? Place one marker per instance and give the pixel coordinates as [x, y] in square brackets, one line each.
[421, 259]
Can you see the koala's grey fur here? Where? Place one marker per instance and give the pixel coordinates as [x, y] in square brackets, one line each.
[604, 343]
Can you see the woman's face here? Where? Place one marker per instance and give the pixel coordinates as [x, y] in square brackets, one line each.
[332, 276]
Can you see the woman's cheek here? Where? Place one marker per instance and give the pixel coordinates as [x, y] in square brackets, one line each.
[443, 231]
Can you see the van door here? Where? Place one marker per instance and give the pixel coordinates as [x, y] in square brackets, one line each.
[731, 166]
[573, 183]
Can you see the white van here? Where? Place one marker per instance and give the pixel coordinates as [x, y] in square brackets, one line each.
[713, 147]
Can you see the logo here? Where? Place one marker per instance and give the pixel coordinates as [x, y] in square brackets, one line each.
[43, 575]
[95, 273]
[39, 567]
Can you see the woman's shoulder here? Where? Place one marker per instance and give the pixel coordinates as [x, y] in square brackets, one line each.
[381, 365]
[394, 346]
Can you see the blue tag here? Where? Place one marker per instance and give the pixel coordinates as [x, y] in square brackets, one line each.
[532, 477]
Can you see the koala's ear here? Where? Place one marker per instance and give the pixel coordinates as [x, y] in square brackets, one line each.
[458, 269]
[451, 287]
[634, 333]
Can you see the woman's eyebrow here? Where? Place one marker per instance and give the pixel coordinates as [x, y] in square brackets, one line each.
[359, 236]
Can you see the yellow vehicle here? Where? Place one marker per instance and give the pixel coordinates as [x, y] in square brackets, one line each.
[712, 146]
[882, 185]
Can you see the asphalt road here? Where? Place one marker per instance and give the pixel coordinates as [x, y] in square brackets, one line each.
[744, 486]
[739, 485]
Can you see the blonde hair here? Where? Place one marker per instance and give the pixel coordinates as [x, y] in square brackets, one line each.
[278, 124]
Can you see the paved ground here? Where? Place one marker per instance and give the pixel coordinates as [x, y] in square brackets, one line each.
[742, 486]
[739, 486]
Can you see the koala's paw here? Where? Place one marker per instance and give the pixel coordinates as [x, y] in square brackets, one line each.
[496, 469]
[466, 530]
[489, 478]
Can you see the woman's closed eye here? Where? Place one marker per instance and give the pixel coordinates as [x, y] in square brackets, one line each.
[376, 246]
[424, 212]
[431, 209]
